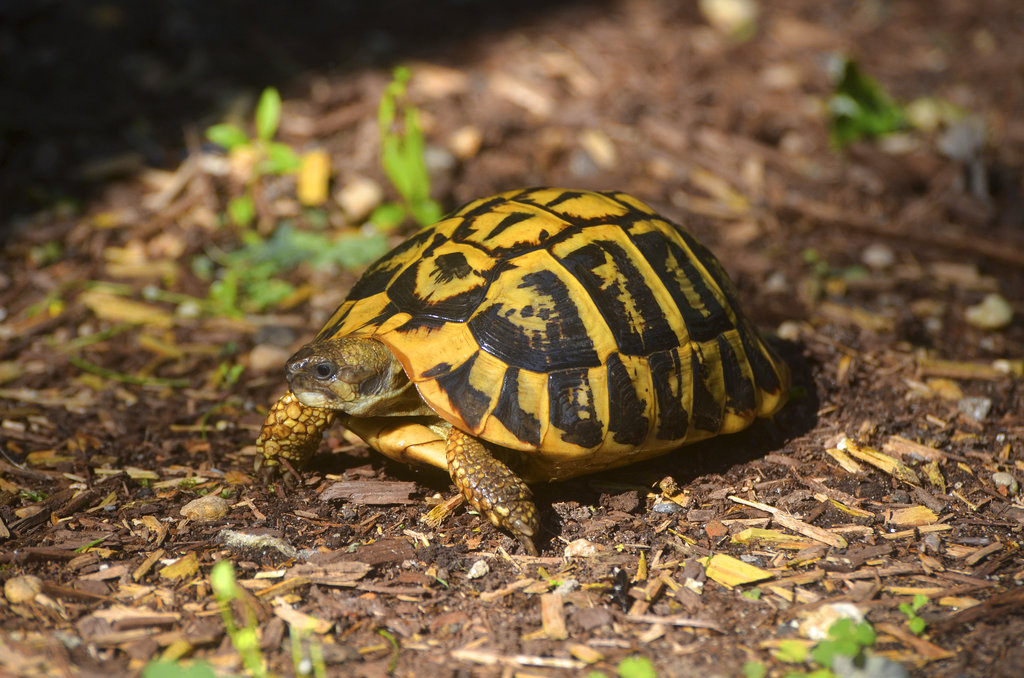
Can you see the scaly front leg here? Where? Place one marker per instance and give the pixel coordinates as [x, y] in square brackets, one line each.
[492, 488]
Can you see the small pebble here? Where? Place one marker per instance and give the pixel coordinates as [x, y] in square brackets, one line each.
[581, 164]
[735, 18]
[875, 666]
[438, 159]
[789, 330]
[479, 569]
[1004, 479]
[22, 589]
[465, 142]
[975, 407]
[931, 542]
[567, 586]
[581, 548]
[776, 284]
[818, 622]
[993, 313]
[878, 256]
[359, 197]
[599, 147]
[667, 507]
[209, 507]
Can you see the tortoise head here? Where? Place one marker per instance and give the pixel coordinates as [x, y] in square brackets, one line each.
[356, 375]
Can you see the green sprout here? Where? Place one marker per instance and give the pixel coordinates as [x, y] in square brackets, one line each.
[403, 156]
[270, 157]
[845, 652]
[246, 280]
[244, 639]
[915, 623]
[859, 107]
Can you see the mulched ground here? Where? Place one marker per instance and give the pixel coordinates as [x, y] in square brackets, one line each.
[889, 475]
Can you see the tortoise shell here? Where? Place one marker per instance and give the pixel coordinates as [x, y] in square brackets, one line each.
[578, 326]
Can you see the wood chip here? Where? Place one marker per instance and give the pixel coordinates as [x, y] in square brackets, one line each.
[301, 621]
[844, 460]
[552, 616]
[371, 492]
[929, 651]
[511, 588]
[730, 572]
[685, 622]
[791, 522]
[491, 658]
[901, 446]
[884, 462]
[911, 516]
[956, 369]
[982, 553]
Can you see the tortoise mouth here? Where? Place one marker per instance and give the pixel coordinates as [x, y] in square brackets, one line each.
[315, 393]
[316, 398]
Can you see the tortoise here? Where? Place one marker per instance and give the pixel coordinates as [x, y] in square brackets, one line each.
[535, 335]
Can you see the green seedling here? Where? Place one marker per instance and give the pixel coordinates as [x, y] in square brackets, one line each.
[630, 667]
[915, 623]
[268, 156]
[754, 670]
[244, 639]
[247, 279]
[403, 157]
[859, 107]
[846, 652]
[169, 669]
[845, 638]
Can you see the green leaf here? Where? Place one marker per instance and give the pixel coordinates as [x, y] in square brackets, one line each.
[281, 159]
[791, 651]
[222, 580]
[268, 114]
[387, 216]
[356, 251]
[426, 212]
[165, 669]
[263, 294]
[826, 650]
[752, 594]
[227, 136]
[916, 625]
[859, 108]
[864, 634]
[223, 294]
[920, 600]
[754, 670]
[637, 667]
[242, 210]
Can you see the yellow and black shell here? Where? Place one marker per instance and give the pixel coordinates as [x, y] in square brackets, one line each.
[578, 326]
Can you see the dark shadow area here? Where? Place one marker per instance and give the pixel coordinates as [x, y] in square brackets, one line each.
[93, 90]
[709, 457]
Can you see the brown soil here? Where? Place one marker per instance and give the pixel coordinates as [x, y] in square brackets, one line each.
[868, 259]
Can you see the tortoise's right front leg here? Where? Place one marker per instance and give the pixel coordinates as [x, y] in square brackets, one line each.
[292, 431]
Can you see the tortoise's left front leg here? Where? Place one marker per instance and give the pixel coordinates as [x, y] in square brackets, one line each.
[492, 488]
[292, 431]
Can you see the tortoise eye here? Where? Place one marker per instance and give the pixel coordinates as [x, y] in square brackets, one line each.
[323, 371]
